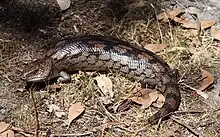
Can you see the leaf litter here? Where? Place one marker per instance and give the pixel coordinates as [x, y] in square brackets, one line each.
[173, 15]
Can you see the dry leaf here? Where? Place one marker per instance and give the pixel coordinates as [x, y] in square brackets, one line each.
[160, 101]
[207, 24]
[180, 20]
[5, 130]
[194, 10]
[161, 16]
[215, 33]
[189, 25]
[204, 24]
[74, 111]
[207, 81]
[155, 47]
[144, 97]
[105, 84]
[174, 13]
[169, 15]
[64, 4]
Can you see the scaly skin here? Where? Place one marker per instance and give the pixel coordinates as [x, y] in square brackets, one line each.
[104, 54]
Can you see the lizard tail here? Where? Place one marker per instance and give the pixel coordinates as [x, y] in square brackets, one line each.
[172, 102]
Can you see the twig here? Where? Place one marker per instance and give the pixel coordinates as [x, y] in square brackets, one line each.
[110, 116]
[125, 129]
[143, 128]
[37, 126]
[170, 115]
[198, 91]
[185, 125]
[187, 112]
[158, 123]
[26, 134]
[71, 135]
[194, 89]
[8, 78]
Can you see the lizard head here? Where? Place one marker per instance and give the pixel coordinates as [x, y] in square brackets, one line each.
[37, 71]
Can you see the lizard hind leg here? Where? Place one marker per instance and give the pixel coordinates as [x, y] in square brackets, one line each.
[149, 83]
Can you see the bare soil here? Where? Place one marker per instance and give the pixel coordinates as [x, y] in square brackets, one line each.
[29, 28]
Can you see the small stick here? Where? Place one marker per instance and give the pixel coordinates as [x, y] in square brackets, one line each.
[194, 89]
[187, 112]
[109, 115]
[37, 126]
[185, 125]
[125, 129]
[72, 134]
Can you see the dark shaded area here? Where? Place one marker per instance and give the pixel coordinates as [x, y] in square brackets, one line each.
[27, 15]
[133, 9]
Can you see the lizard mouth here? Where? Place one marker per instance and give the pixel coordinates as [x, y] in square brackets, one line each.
[35, 79]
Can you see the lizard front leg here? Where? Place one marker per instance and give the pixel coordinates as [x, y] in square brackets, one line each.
[64, 77]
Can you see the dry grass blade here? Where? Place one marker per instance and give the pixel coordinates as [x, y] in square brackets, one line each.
[204, 24]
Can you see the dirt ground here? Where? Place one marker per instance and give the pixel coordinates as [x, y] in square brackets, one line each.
[29, 28]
